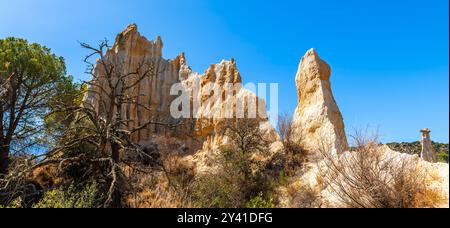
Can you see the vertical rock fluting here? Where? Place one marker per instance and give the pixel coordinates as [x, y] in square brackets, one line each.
[317, 120]
[210, 119]
[427, 153]
[153, 93]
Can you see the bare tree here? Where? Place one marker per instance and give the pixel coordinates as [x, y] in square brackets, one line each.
[246, 135]
[294, 153]
[284, 127]
[103, 129]
[110, 133]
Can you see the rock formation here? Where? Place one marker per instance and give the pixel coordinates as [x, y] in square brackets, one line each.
[197, 131]
[436, 175]
[427, 153]
[129, 51]
[317, 120]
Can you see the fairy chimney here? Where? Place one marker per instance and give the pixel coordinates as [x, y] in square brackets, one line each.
[428, 153]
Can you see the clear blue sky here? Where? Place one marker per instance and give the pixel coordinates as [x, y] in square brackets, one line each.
[389, 58]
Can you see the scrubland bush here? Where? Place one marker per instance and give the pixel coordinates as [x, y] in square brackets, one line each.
[71, 197]
[371, 178]
[217, 191]
[157, 196]
[294, 156]
[307, 197]
[167, 188]
[260, 202]
[231, 190]
[239, 180]
[442, 157]
[226, 188]
[180, 173]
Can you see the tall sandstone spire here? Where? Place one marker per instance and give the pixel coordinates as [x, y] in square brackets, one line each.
[317, 120]
[427, 153]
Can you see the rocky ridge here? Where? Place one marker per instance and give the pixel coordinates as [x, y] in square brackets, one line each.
[199, 132]
[317, 120]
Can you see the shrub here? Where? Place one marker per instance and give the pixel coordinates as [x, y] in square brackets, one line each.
[217, 191]
[240, 178]
[16, 203]
[159, 189]
[70, 198]
[180, 172]
[157, 196]
[229, 186]
[442, 157]
[294, 156]
[260, 202]
[233, 185]
[371, 178]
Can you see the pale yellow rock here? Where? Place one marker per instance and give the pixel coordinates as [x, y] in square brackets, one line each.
[436, 176]
[131, 49]
[209, 129]
[317, 119]
[427, 152]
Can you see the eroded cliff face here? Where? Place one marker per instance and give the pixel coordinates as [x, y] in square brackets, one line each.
[130, 52]
[319, 128]
[200, 130]
[317, 120]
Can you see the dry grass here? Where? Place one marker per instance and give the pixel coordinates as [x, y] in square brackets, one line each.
[428, 198]
[169, 189]
[45, 177]
[295, 155]
[157, 197]
[370, 177]
[154, 191]
[298, 194]
[180, 171]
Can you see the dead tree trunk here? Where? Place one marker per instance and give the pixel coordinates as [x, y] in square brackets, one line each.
[115, 153]
[4, 158]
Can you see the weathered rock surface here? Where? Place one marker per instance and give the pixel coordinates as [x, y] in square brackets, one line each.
[129, 51]
[427, 153]
[321, 194]
[317, 120]
[200, 131]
